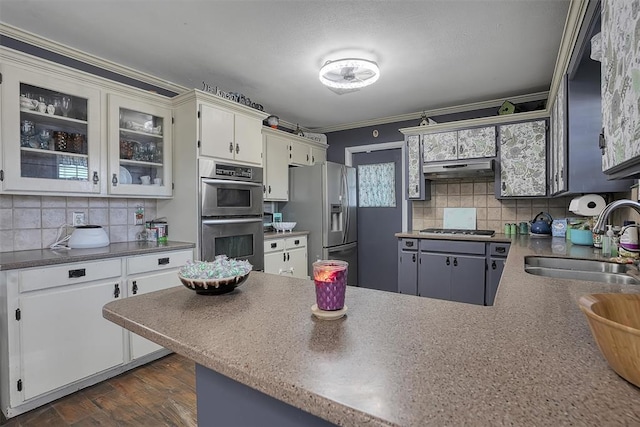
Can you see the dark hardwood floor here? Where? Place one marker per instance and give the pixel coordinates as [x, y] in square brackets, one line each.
[161, 393]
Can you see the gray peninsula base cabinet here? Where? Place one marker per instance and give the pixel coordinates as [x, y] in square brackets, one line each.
[462, 271]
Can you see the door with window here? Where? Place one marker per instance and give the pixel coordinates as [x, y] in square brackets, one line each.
[379, 184]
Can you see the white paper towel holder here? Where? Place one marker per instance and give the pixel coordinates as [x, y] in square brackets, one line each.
[587, 205]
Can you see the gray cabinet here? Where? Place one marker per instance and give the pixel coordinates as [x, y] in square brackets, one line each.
[620, 88]
[452, 270]
[496, 258]
[408, 266]
[523, 160]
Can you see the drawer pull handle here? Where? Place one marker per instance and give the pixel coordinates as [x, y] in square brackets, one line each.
[501, 250]
[408, 244]
[273, 245]
[135, 287]
[284, 257]
[296, 242]
[163, 261]
[81, 272]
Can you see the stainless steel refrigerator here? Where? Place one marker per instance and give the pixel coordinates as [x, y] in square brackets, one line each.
[322, 200]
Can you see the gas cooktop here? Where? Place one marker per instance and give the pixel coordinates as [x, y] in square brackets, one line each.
[456, 231]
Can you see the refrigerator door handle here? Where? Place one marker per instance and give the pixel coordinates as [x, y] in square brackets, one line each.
[345, 202]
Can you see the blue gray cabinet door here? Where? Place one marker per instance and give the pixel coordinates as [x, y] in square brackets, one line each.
[494, 273]
[407, 267]
[467, 279]
[434, 271]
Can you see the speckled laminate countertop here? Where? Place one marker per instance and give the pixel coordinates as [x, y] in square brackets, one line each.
[42, 257]
[402, 360]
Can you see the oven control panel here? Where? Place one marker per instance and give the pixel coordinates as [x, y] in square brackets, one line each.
[231, 171]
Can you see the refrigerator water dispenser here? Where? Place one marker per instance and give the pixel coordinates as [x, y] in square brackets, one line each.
[336, 218]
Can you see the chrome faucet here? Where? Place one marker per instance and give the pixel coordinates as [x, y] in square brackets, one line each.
[600, 225]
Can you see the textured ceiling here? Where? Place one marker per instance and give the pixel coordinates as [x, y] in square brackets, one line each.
[432, 54]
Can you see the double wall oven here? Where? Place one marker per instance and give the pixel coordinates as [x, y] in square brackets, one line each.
[231, 212]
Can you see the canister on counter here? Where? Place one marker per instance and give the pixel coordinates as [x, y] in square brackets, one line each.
[513, 229]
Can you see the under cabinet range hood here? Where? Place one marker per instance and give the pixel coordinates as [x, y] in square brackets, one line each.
[471, 168]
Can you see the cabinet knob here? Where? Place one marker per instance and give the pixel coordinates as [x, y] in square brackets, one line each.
[307, 157]
[296, 242]
[114, 180]
[461, 149]
[273, 245]
[284, 257]
[504, 185]
[264, 189]
[134, 288]
[501, 249]
[96, 179]
[413, 258]
[447, 261]
[237, 148]
[602, 143]
[288, 256]
[231, 147]
[493, 265]
[455, 262]
[269, 189]
[453, 150]
[116, 291]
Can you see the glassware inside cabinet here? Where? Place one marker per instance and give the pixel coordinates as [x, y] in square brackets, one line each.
[53, 134]
[141, 148]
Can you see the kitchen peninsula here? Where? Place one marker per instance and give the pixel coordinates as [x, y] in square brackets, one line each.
[399, 359]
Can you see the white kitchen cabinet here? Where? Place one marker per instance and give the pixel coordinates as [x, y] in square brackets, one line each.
[318, 154]
[276, 168]
[50, 133]
[228, 135]
[64, 337]
[286, 256]
[523, 164]
[140, 145]
[149, 273]
[55, 332]
[463, 144]
[620, 88]
[304, 152]
[53, 338]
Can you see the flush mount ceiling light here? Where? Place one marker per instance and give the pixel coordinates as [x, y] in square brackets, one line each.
[349, 73]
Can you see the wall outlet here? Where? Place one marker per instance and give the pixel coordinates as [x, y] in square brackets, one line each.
[78, 219]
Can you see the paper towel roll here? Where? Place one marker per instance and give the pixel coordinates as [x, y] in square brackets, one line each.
[587, 205]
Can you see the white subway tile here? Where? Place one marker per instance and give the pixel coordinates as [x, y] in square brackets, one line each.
[6, 201]
[99, 216]
[6, 240]
[99, 202]
[6, 219]
[118, 233]
[54, 202]
[117, 216]
[77, 202]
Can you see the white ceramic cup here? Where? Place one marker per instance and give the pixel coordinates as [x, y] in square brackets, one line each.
[146, 180]
[157, 181]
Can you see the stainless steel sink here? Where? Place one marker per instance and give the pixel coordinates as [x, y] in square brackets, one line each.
[580, 269]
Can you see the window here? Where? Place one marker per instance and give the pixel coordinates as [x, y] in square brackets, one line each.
[377, 185]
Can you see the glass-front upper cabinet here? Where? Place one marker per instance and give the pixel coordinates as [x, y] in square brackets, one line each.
[139, 148]
[50, 133]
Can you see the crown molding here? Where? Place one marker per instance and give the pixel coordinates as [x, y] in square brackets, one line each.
[70, 52]
[494, 103]
[572, 25]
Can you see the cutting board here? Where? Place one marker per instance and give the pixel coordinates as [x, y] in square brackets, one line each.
[460, 218]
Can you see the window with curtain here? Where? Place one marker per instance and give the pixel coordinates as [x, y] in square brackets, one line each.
[377, 185]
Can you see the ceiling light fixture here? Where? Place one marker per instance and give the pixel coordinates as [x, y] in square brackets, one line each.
[349, 73]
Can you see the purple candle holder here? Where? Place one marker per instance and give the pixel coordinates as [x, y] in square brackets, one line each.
[330, 277]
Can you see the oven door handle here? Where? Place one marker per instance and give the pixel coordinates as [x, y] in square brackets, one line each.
[231, 220]
[229, 181]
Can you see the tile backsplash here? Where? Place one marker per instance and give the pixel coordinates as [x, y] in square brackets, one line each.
[33, 222]
[491, 213]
